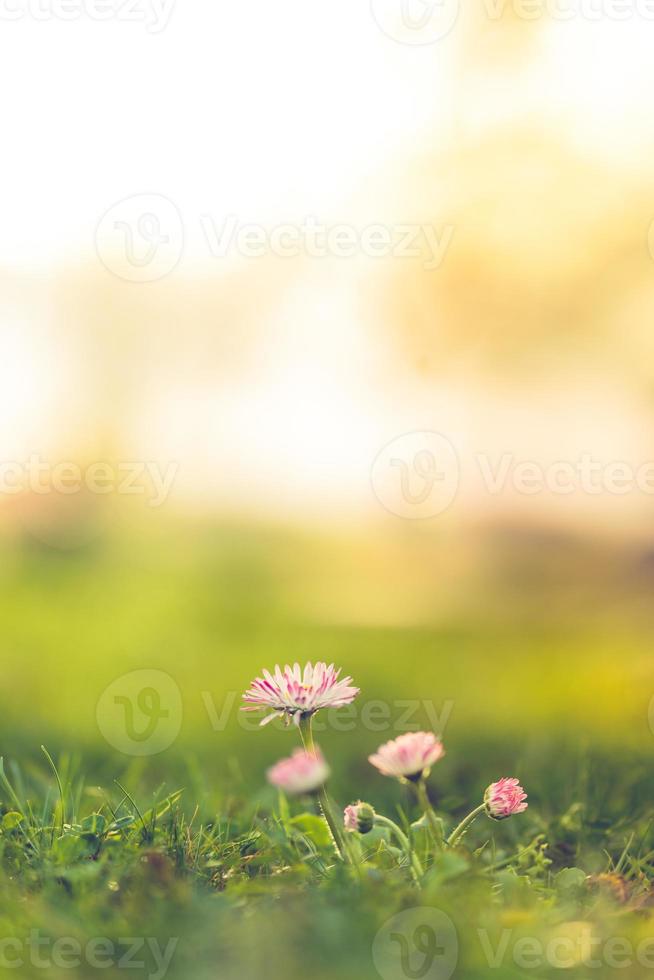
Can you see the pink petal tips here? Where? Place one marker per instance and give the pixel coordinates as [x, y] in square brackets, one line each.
[359, 817]
[302, 772]
[292, 693]
[408, 756]
[504, 798]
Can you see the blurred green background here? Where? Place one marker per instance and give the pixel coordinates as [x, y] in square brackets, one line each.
[551, 643]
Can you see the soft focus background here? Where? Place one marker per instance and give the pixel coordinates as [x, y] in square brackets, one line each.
[272, 384]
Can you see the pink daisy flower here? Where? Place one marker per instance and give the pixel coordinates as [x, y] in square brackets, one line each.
[408, 756]
[504, 798]
[302, 772]
[291, 693]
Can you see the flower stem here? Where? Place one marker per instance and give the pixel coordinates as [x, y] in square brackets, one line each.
[433, 821]
[323, 800]
[416, 867]
[459, 831]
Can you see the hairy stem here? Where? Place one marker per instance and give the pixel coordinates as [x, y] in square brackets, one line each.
[459, 831]
[325, 806]
[416, 867]
[433, 821]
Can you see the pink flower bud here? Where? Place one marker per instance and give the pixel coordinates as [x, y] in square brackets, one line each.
[359, 817]
[504, 798]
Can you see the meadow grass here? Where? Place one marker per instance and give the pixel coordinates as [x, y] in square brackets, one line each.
[192, 854]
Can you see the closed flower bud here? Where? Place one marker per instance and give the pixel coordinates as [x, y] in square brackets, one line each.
[359, 817]
[504, 798]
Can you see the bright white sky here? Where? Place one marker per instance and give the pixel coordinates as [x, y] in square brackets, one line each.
[254, 108]
[270, 111]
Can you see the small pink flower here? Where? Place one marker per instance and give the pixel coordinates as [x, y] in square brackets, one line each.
[359, 817]
[410, 755]
[293, 693]
[303, 772]
[504, 798]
